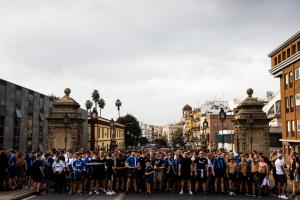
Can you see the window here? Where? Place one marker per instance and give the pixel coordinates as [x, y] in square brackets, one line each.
[16, 136]
[279, 58]
[293, 49]
[41, 132]
[291, 79]
[283, 55]
[292, 103]
[289, 128]
[30, 103]
[29, 133]
[288, 53]
[293, 128]
[298, 125]
[297, 99]
[41, 104]
[286, 81]
[275, 61]
[298, 45]
[2, 118]
[18, 98]
[2, 99]
[297, 74]
[287, 106]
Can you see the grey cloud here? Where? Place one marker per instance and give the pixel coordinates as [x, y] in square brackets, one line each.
[162, 53]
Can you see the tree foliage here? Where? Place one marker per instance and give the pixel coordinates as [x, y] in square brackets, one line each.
[132, 129]
[143, 141]
[160, 141]
[178, 137]
[95, 97]
[88, 105]
[101, 104]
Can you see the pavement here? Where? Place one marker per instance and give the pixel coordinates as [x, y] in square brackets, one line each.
[16, 194]
[53, 196]
[27, 194]
[155, 196]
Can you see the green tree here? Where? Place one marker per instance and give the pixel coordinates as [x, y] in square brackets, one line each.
[95, 97]
[118, 105]
[132, 129]
[160, 141]
[101, 104]
[143, 141]
[88, 105]
[177, 137]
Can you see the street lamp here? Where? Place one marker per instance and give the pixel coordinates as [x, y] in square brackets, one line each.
[66, 122]
[94, 117]
[204, 127]
[222, 117]
[250, 123]
[113, 135]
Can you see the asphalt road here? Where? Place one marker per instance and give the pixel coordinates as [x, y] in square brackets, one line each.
[155, 196]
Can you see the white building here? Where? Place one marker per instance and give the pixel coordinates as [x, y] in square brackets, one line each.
[168, 131]
[147, 131]
[213, 106]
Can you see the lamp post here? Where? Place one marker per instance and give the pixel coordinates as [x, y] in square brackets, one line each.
[113, 135]
[94, 117]
[250, 124]
[204, 127]
[222, 117]
[66, 122]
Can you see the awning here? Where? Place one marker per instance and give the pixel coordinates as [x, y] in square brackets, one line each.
[288, 140]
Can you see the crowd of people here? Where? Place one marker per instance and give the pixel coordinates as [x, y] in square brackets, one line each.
[110, 172]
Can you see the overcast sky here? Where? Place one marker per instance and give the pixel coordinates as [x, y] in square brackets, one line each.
[155, 55]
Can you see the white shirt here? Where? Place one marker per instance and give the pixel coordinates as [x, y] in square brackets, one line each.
[279, 164]
[58, 167]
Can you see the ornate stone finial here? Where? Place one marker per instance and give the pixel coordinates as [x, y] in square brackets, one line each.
[250, 92]
[67, 91]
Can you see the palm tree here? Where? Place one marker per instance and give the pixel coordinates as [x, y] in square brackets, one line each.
[118, 104]
[101, 104]
[95, 97]
[88, 105]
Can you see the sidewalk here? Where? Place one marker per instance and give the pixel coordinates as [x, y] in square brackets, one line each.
[15, 195]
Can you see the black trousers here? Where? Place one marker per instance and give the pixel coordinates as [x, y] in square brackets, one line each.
[59, 180]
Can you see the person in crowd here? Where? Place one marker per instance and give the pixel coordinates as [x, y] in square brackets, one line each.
[131, 165]
[21, 169]
[58, 167]
[243, 177]
[159, 167]
[232, 172]
[95, 168]
[37, 174]
[102, 170]
[3, 168]
[281, 176]
[110, 174]
[219, 171]
[120, 172]
[78, 168]
[201, 166]
[184, 172]
[263, 173]
[149, 171]
[12, 170]
[141, 165]
[294, 173]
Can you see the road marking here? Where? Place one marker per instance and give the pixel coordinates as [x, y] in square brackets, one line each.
[29, 197]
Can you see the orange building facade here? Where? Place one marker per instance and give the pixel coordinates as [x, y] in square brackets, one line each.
[285, 65]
